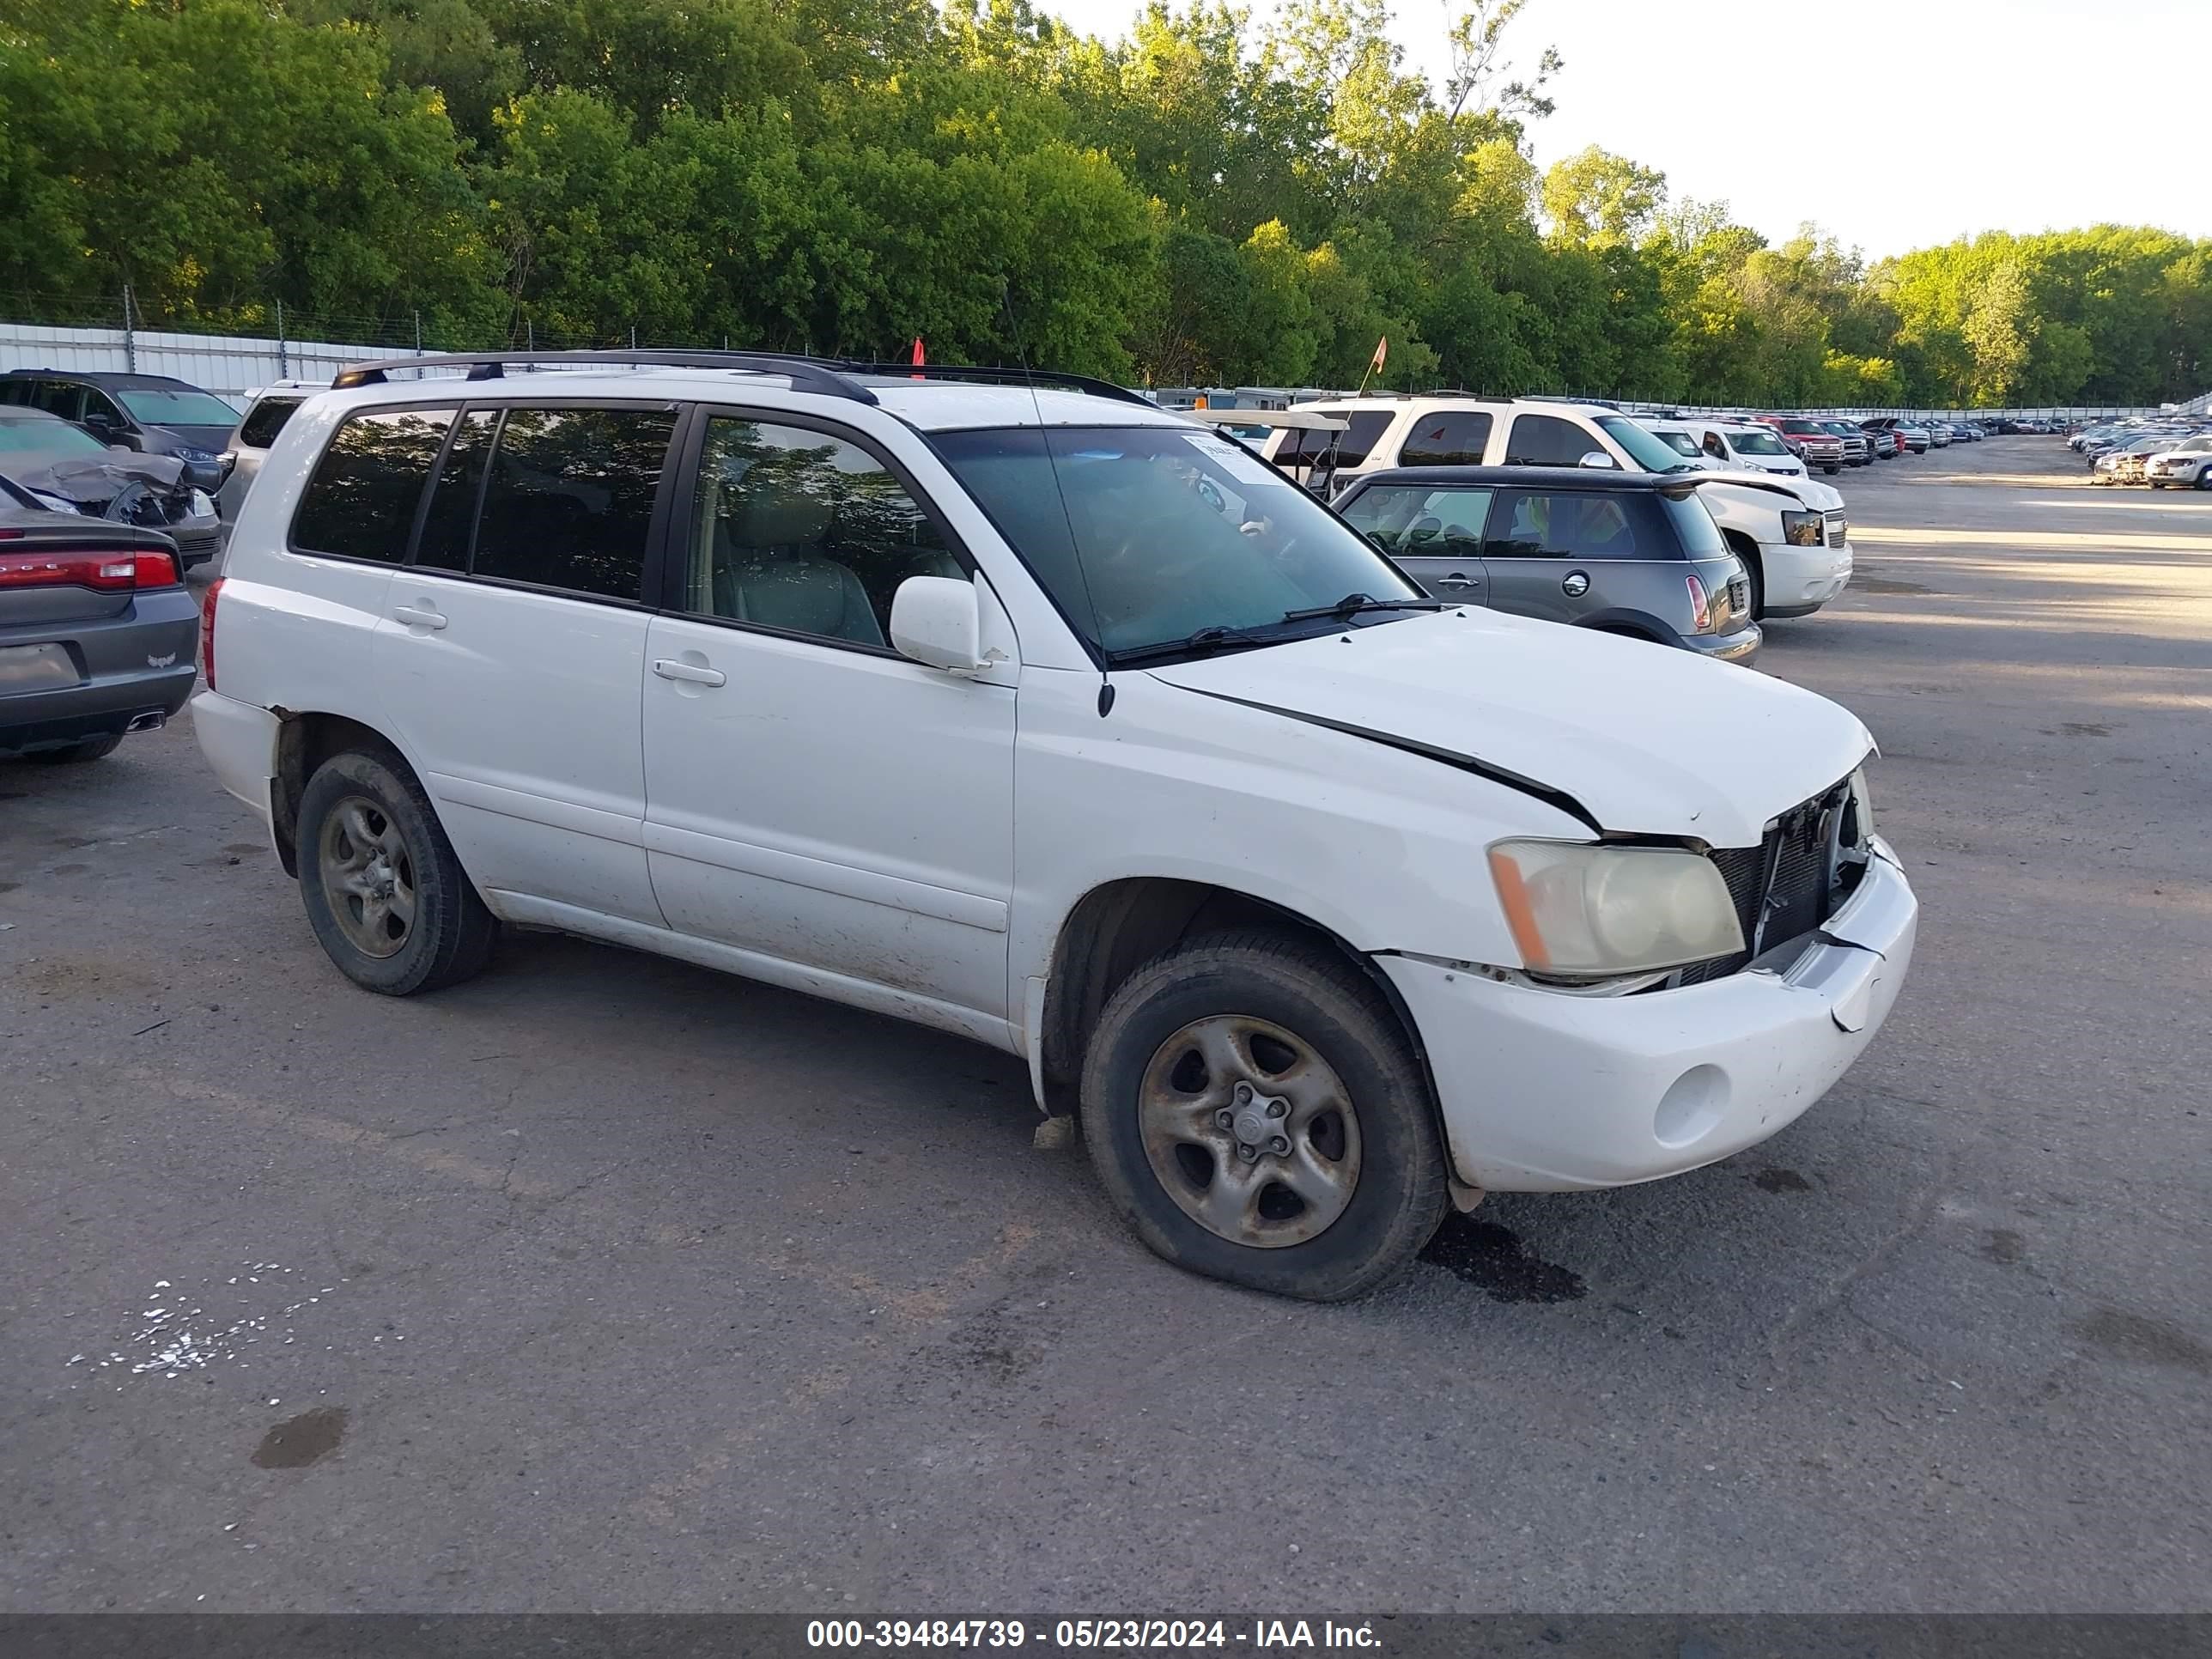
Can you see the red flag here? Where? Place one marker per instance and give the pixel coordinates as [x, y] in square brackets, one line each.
[917, 351]
[1382, 351]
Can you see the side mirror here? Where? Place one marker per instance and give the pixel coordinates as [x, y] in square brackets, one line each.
[936, 621]
[1595, 458]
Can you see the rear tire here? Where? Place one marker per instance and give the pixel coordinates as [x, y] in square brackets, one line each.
[387, 899]
[1255, 1112]
[91, 749]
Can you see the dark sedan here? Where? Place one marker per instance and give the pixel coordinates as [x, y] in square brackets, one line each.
[152, 414]
[67, 469]
[98, 635]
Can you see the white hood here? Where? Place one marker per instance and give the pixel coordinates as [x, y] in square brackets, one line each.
[1820, 497]
[1651, 740]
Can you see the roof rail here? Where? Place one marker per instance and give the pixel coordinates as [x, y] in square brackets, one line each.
[995, 376]
[804, 373]
[831, 377]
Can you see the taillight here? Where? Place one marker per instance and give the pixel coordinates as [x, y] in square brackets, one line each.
[207, 629]
[103, 573]
[1700, 611]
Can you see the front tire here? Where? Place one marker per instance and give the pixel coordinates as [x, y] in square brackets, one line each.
[387, 899]
[1255, 1112]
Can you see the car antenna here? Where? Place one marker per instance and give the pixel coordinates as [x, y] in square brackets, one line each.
[1044, 438]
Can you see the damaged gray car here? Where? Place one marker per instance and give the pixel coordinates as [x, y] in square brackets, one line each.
[68, 470]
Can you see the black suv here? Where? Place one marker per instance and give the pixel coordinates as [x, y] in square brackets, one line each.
[152, 414]
[1629, 553]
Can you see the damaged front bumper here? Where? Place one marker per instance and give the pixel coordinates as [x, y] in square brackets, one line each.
[1542, 1092]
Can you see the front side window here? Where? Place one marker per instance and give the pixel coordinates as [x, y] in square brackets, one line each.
[569, 499]
[802, 531]
[1547, 441]
[361, 502]
[1417, 521]
[1146, 536]
[1528, 524]
[1715, 447]
[1453, 438]
[162, 405]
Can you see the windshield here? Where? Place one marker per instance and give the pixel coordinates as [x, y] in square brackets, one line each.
[1680, 442]
[47, 437]
[1145, 535]
[1646, 450]
[159, 406]
[1806, 429]
[1755, 441]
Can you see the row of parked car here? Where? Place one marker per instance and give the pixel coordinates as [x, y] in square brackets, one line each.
[1328, 892]
[2165, 454]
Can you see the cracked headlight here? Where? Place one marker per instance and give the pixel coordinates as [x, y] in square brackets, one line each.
[1803, 529]
[200, 505]
[1587, 911]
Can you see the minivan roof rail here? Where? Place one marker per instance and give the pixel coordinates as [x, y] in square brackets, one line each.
[829, 377]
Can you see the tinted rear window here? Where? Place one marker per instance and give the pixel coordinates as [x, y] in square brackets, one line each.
[1541, 524]
[570, 498]
[1694, 524]
[1547, 440]
[265, 420]
[361, 503]
[1453, 438]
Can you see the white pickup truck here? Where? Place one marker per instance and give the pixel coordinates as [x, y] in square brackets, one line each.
[1790, 532]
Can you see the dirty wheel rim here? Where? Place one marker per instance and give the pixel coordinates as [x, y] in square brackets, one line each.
[368, 877]
[1250, 1130]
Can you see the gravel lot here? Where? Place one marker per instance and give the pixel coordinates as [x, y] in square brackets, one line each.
[609, 1283]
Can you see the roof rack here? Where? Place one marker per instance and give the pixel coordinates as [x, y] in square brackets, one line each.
[830, 376]
[994, 376]
[804, 373]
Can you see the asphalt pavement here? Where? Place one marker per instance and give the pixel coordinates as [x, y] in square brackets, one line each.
[608, 1283]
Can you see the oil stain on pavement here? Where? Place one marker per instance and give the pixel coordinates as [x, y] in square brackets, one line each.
[1490, 1258]
[299, 1440]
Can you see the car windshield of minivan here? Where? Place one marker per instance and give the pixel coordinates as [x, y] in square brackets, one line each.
[172, 406]
[1680, 442]
[1646, 450]
[1153, 537]
[47, 438]
[1758, 441]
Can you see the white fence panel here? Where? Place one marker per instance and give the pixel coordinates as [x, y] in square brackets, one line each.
[231, 365]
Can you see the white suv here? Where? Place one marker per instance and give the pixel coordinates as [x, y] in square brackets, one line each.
[1789, 532]
[1039, 715]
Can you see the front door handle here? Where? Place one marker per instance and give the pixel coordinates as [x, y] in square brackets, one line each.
[1455, 579]
[417, 617]
[692, 673]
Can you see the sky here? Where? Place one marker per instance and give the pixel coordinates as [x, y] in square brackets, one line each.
[1946, 117]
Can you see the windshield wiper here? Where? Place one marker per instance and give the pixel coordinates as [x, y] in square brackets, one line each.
[1206, 639]
[1353, 603]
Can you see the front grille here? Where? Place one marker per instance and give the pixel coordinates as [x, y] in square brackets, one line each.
[1836, 530]
[1799, 898]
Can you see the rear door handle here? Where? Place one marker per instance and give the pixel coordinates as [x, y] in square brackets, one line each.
[1455, 579]
[416, 616]
[670, 670]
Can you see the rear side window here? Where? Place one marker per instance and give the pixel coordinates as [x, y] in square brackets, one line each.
[265, 420]
[361, 503]
[449, 529]
[1536, 524]
[1547, 440]
[569, 499]
[1454, 438]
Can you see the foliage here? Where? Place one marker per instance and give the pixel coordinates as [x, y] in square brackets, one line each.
[1210, 198]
